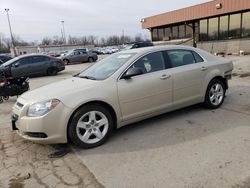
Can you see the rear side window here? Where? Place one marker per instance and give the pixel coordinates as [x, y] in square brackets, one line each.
[197, 57]
[38, 59]
[181, 57]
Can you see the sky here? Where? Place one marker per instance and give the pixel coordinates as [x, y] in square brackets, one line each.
[32, 20]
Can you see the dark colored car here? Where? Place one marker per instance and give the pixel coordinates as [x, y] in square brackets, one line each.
[77, 56]
[139, 45]
[4, 58]
[31, 65]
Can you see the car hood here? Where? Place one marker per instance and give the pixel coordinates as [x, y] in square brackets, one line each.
[59, 90]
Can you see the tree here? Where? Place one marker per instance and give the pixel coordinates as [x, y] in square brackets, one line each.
[46, 41]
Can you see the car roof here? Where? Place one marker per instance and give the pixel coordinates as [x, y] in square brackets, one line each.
[205, 55]
[156, 48]
[31, 55]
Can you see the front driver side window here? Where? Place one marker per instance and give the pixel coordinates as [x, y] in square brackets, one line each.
[22, 61]
[151, 63]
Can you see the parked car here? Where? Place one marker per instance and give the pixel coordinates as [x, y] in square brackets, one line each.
[4, 58]
[77, 55]
[120, 89]
[31, 65]
[98, 51]
[139, 45]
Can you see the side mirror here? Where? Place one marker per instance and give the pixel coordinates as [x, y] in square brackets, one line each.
[134, 71]
[16, 65]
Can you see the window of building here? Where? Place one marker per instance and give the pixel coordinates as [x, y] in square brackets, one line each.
[203, 30]
[189, 31]
[234, 25]
[182, 31]
[155, 34]
[160, 34]
[175, 32]
[168, 33]
[213, 29]
[223, 34]
[246, 24]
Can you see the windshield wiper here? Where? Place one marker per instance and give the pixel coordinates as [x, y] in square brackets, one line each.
[88, 77]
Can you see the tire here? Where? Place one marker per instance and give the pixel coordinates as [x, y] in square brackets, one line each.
[6, 98]
[215, 94]
[91, 59]
[1, 99]
[66, 61]
[90, 126]
[52, 72]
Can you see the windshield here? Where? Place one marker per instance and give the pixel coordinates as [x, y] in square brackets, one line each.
[129, 47]
[69, 53]
[106, 67]
[7, 63]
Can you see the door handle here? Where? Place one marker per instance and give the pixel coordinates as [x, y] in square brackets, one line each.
[164, 77]
[203, 68]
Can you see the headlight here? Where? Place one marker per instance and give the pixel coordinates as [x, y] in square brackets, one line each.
[42, 108]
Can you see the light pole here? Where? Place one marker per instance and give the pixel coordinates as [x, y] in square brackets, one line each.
[11, 34]
[63, 31]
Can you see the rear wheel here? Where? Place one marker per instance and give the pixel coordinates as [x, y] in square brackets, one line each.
[91, 59]
[215, 94]
[90, 126]
[1, 99]
[52, 72]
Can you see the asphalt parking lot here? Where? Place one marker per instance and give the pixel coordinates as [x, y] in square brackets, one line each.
[192, 147]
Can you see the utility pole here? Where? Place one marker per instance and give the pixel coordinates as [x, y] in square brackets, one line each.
[63, 31]
[123, 36]
[11, 34]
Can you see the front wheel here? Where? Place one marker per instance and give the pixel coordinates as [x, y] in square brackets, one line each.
[6, 98]
[90, 126]
[215, 94]
[66, 61]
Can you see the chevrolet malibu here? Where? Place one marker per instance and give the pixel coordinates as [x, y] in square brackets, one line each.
[123, 88]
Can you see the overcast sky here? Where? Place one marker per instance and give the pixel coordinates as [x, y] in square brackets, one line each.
[35, 19]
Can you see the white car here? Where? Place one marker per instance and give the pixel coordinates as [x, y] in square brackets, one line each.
[123, 88]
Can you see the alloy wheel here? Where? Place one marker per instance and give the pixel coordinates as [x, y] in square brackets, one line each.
[216, 94]
[92, 127]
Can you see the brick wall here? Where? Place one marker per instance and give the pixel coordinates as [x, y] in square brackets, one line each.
[230, 46]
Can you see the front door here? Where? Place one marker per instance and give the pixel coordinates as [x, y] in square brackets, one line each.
[21, 67]
[147, 93]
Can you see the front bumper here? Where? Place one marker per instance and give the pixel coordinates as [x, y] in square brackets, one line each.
[48, 129]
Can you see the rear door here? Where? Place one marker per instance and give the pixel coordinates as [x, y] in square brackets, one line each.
[84, 56]
[147, 93]
[188, 71]
[39, 65]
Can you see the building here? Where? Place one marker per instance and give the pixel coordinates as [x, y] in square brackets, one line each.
[216, 26]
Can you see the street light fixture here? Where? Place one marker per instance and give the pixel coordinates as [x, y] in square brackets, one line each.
[11, 34]
[63, 31]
